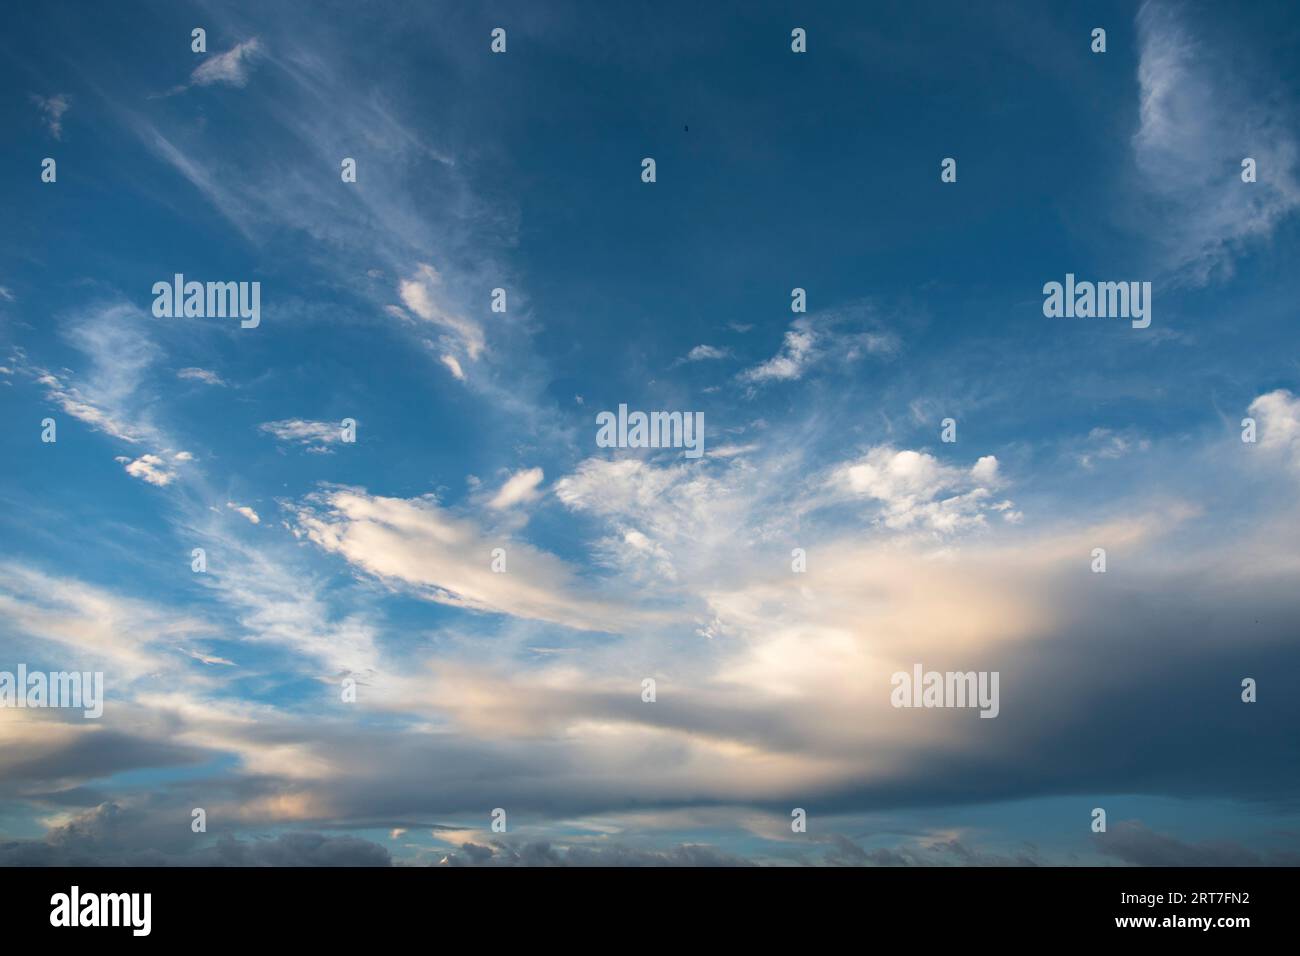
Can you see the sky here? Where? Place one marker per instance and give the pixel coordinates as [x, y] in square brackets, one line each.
[450, 606]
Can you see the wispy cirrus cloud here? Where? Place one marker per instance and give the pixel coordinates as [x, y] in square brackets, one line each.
[201, 375]
[449, 559]
[421, 295]
[703, 353]
[132, 637]
[314, 436]
[230, 68]
[833, 335]
[1198, 118]
[52, 109]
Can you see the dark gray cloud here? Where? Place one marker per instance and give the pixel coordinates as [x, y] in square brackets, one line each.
[1133, 842]
[113, 835]
[543, 853]
[1137, 692]
[52, 762]
[845, 852]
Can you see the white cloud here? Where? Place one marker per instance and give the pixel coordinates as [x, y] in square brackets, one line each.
[315, 435]
[109, 398]
[985, 471]
[246, 511]
[644, 549]
[149, 468]
[1277, 414]
[208, 659]
[70, 399]
[420, 294]
[679, 521]
[200, 375]
[52, 109]
[909, 485]
[519, 488]
[791, 361]
[615, 487]
[731, 451]
[704, 353]
[230, 68]
[832, 335]
[97, 623]
[449, 559]
[454, 366]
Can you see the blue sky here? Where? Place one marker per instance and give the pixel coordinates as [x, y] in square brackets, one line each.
[370, 560]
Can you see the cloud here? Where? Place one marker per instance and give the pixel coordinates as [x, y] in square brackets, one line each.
[449, 559]
[149, 468]
[278, 601]
[200, 375]
[953, 852]
[227, 198]
[791, 361]
[731, 451]
[649, 510]
[543, 853]
[52, 109]
[230, 68]
[71, 400]
[316, 436]
[109, 397]
[453, 366]
[208, 659]
[112, 834]
[246, 511]
[93, 624]
[772, 683]
[703, 353]
[1133, 842]
[1105, 444]
[832, 335]
[1198, 118]
[519, 488]
[909, 485]
[1278, 417]
[795, 687]
[420, 294]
